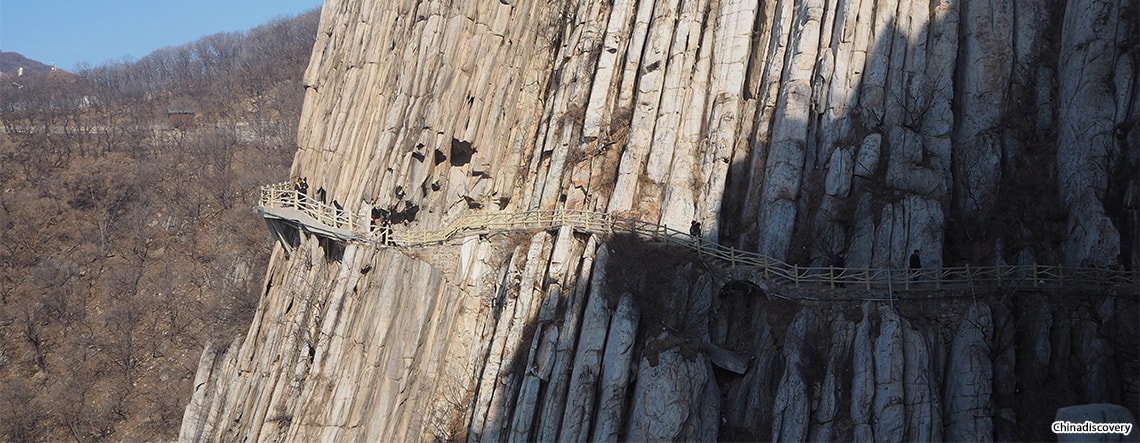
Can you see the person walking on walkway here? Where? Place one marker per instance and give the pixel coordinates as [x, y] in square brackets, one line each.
[695, 229]
[838, 262]
[915, 266]
[302, 188]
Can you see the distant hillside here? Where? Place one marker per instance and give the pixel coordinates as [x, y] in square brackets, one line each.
[10, 62]
[147, 212]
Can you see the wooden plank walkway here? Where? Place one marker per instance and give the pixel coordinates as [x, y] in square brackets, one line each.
[280, 201]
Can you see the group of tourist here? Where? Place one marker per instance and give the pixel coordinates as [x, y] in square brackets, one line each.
[380, 221]
[301, 187]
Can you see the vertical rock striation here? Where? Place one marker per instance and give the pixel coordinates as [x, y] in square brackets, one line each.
[1092, 108]
[969, 379]
[796, 128]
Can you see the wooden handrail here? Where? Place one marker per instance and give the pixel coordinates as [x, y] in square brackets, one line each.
[282, 195]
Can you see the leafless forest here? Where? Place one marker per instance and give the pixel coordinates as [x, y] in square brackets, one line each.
[125, 243]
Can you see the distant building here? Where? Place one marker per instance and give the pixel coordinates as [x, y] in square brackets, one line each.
[181, 118]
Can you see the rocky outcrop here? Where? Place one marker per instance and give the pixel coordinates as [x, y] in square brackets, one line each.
[863, 378]
[1089, 72]
[615, 375]
[587, 362]
[888, 410]
[920, 386]
[987, 46]
[796, 128]
[675, 399]
[969, 379]
[791, 410]
[827, 413]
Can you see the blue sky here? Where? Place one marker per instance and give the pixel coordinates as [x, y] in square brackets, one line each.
[69, 32]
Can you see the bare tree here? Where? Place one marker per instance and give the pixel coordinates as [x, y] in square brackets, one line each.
[102, 200]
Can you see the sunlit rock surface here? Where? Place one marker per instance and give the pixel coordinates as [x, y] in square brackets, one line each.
[974, 132]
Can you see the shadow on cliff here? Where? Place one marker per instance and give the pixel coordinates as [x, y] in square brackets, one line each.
[1024, 220]
[290, 236]
[692, 305]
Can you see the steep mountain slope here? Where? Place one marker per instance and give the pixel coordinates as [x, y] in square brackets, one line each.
[798, 129]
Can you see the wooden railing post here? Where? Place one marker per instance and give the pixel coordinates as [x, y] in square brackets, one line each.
[282, 195]
[891, 283]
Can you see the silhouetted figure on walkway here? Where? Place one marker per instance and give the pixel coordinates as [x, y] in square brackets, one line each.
[915, 266]
[838, 262]
[695, 229]
[378, 215]
[302, 188]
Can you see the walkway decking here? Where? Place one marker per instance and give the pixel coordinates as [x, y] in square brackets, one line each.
[300, 217]
[281, 202]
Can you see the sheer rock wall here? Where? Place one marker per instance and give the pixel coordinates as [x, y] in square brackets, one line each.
[796, 128]
[788, 128]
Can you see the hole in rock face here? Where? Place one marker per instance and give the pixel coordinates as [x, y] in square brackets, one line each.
[406, 214]
[461, 152]
[333, 249]
[439, 157]
[742, 288]
[418, 153]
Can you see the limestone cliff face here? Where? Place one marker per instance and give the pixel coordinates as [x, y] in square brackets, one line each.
[978, 131]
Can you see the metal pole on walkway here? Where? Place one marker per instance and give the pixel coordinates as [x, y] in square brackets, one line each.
[891, 287]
